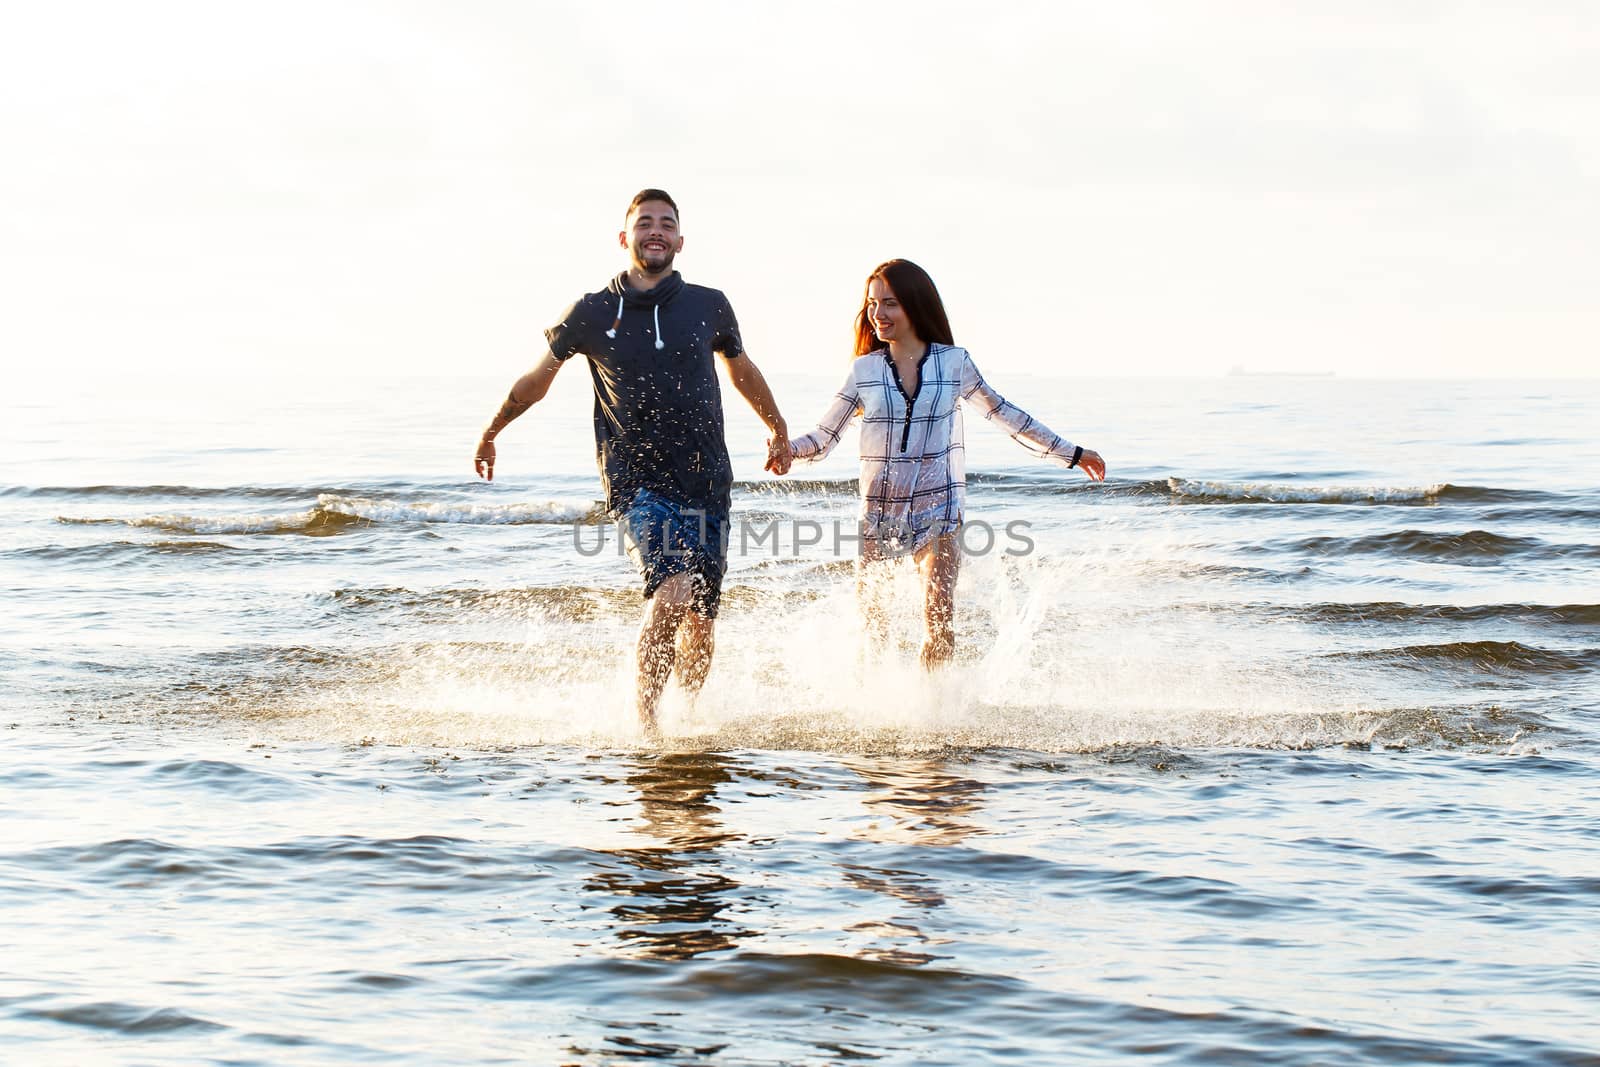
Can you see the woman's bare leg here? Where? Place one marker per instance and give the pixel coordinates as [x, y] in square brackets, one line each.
[939, 562]
[872, 579]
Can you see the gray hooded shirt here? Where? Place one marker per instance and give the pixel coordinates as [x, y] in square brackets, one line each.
[657, 403]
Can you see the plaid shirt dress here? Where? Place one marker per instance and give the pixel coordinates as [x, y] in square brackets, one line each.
[913, 465]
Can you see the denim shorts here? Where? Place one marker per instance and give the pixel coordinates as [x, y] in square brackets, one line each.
[665, 538]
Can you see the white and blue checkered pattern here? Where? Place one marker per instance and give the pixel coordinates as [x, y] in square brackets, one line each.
[913, 464]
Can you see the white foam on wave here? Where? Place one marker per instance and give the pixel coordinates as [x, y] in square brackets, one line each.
[207, 524]
[333, 510]
[467, 514]
[1280, 493]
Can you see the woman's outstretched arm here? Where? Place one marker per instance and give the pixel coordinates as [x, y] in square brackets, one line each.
[1024, 429]
[820, 441]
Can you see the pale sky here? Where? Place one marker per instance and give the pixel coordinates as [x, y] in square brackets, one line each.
[287, 188]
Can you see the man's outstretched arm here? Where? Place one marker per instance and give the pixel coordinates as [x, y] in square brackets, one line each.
[747, 378]
[528, 391]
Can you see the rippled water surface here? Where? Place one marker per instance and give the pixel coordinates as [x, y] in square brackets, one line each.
[1279, 747]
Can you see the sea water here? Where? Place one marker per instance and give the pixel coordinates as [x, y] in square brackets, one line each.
[1278, 747]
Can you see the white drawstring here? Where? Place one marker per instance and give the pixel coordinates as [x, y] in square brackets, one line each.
[660, 344]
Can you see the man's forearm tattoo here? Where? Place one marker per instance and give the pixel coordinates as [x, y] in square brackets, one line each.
[508, 411]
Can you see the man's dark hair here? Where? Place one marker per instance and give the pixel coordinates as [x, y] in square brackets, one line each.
[652, 194]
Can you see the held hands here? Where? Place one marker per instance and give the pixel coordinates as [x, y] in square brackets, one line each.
[483, 461]
[779, 456]
[1093, 465]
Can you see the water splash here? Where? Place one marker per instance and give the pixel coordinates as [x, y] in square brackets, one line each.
[1053, 657]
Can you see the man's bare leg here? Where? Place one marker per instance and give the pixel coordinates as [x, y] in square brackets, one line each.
[939, 563]
[696, 643]
[663, 614]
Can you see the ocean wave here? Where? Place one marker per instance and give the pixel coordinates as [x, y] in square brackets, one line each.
[135, 1020]
[1487, 656]
[548, 511]
[209, 492]
[1190, 489]
[118, 549]
[1561, 515]
[1203, 491]
[334, 513]
[308, 521]
[1472, 544]
[1398, 611]
[1481, 545]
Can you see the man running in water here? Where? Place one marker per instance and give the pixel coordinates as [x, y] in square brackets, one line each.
[658, 434]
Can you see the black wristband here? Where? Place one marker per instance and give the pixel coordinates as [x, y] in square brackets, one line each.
[1077, 454]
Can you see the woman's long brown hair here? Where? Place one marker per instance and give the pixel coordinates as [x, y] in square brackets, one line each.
[917, 295]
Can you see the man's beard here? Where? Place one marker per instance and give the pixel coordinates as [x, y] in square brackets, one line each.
[653, 262]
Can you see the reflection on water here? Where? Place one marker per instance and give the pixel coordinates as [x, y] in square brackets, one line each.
[916, 803]
[673, 892]
[919, 802]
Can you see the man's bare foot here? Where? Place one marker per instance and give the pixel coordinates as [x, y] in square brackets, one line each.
[936, 655]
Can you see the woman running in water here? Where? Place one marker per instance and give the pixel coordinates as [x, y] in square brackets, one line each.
[908, 384]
